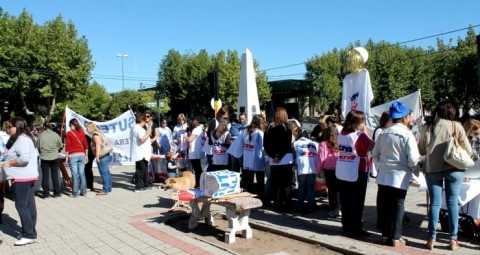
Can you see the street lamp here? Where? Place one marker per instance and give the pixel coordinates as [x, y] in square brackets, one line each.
[122, 56]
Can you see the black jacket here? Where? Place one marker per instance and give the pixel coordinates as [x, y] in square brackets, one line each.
[277, 141]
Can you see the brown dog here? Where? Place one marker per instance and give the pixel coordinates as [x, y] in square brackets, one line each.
[185, 181]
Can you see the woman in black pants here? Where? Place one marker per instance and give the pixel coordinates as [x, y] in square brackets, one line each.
[196, 139]
[277, 142]
[88, 166]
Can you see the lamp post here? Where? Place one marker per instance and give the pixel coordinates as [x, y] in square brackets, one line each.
[122, 56]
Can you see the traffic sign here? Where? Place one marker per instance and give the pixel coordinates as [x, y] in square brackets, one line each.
[151, 104]
[159, 95]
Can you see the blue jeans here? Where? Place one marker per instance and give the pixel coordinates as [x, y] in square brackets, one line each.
[306, 188]
[77, 168]
[103, 168]
[27, 209]
[435, 183]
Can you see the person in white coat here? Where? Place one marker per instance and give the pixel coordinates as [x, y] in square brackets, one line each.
[396, 156]
[141, 152]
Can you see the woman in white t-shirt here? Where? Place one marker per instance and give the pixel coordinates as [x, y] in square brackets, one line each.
[196, 139]
[178, 135]
[221, 140]
[165, 138]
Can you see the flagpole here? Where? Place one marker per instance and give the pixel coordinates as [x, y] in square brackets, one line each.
[63, 122]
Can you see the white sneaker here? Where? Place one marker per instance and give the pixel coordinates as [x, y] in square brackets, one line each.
[25, 241]
[338, 212]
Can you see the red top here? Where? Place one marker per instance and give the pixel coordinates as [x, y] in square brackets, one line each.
[361, 146]
[74, 145]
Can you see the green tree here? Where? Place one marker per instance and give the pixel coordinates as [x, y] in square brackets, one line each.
[185, 78]
[93, 103]
[323, 73]
[391, 71]
[264, 90]
[228, 66]
[465, 70]
[128, 99]
[42, 65]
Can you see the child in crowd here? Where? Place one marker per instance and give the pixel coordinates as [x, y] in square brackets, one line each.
[171, 165]
[236, 128]
[327, 160]
[305, 155]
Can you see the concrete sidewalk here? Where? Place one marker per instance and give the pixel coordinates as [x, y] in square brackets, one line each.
[125, 222]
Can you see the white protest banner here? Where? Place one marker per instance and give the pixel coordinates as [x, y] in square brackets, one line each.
[117, 131]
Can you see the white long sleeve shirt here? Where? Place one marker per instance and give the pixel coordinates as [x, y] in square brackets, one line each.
[396, 156]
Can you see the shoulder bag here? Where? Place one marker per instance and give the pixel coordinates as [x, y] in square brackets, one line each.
[105, 147]
[455, 155]
[77, 139]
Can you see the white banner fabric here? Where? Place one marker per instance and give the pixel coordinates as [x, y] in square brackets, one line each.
[117, 131]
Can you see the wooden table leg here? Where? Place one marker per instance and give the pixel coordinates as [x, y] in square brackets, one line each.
[66, 178]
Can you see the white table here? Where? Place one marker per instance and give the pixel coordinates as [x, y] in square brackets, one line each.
[468, 199]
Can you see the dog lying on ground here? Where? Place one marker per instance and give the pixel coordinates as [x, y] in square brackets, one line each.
[185, 181]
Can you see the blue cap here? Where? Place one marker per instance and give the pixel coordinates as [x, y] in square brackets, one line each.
[398, 110]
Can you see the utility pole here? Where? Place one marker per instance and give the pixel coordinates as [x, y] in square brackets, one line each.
[122, 56]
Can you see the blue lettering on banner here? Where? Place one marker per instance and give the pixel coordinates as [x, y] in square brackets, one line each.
[123, 141]
[116, 157]
[122, 126]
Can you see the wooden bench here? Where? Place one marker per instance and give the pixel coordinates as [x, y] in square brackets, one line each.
[237, 212]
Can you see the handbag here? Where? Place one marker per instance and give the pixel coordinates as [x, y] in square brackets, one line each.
[455, 155]
[105, 147]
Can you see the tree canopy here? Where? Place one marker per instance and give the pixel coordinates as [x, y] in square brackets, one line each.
[41, 65]
[446, 70]
[185, 79]
[45, 67]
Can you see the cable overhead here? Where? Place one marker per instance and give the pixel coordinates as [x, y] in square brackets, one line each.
[390, 45]
[277, 77]
[431, 36]
[147, 79]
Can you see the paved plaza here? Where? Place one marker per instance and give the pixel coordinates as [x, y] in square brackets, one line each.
[125, 222]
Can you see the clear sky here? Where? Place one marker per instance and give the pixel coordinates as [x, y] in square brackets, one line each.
[281, 34]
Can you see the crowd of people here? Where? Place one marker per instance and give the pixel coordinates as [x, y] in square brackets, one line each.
[30, 151]
[273, 158]
[280, 156]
